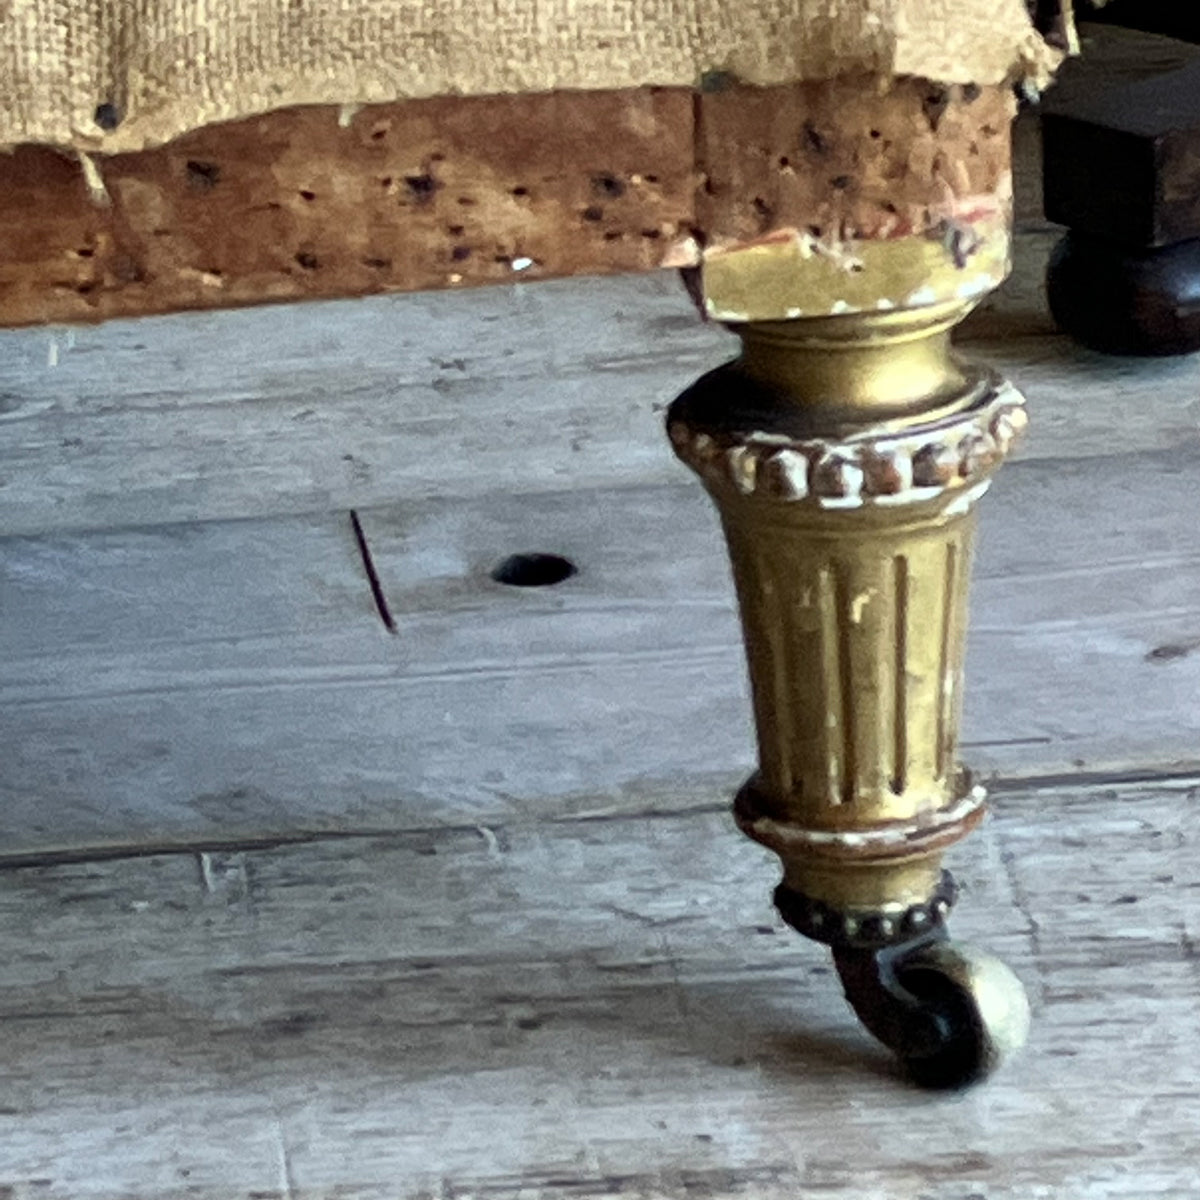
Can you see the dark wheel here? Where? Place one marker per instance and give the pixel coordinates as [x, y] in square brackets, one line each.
[978, 1005]
[951, 1013]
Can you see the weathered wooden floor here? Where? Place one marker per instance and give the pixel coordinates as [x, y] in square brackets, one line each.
[292, 905]
[584, 1008]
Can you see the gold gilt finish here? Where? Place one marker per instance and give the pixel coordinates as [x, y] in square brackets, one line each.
[793, 274]
[845, 455]
[855, 644]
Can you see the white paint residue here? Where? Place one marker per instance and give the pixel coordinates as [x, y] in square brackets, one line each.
[976, 287]
[52, 354]
[912, 495]
[838, 307]
[925, 822]
[96, 187]
[713, 313]
[859, 603]
[346, 115]
[493, 842]
[743, 465]
[794, 467]
[522, 264]
[840, 254]
[901, 463]
[206, 872]
[962, 504]
[287, 1185]
[923, 295]
[683, 253]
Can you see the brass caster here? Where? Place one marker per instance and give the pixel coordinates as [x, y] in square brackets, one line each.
[951, 1013]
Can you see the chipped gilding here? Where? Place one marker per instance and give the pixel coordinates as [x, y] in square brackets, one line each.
[790, 274]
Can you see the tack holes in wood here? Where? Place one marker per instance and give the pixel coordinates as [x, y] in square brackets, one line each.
[533, 570]
[202, 175]
[609, 186]
[421, 187]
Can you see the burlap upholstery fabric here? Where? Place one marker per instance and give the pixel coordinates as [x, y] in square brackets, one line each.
[155, 68]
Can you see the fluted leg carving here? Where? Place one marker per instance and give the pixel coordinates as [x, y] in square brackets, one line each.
[846, 456]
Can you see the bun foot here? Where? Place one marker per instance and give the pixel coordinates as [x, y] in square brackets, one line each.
[1123, 300]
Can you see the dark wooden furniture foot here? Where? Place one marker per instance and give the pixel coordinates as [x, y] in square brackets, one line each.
[1121, 162]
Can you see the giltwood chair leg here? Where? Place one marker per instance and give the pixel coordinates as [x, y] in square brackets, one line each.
[846, 455]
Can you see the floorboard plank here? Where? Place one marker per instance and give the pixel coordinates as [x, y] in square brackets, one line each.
[233, 680]
[584, 1008]
[329, 406]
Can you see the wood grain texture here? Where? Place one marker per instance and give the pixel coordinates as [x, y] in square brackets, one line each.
[352, 404]
[522, 953]
[337, 405]
[314, 202]
[226, 680]
[583, 1009]
[174, 680]
[844, 160]
[320, 202]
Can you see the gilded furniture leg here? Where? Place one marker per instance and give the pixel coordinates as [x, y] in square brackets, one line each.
[846, 455]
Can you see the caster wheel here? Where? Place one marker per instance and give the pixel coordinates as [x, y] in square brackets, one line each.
[951, 1014]
[980, 1006]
